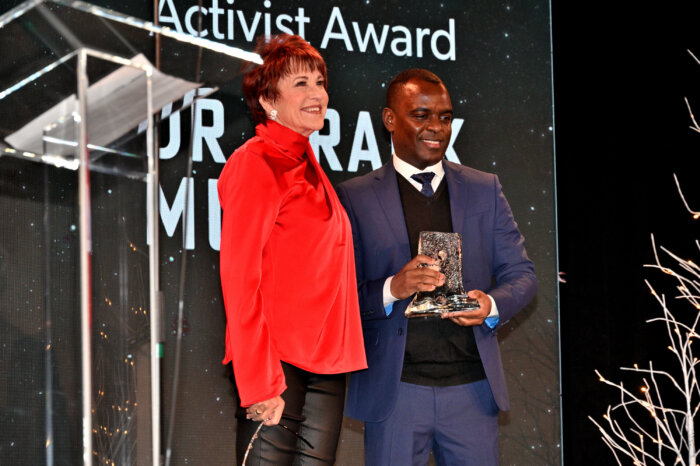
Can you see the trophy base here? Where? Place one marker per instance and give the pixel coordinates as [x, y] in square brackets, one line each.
[436, 307]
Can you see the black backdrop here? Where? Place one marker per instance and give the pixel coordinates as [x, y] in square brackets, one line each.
[495, 60]
[620, 75]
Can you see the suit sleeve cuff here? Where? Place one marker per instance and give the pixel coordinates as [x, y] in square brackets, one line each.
[389, 299]
[492, 319]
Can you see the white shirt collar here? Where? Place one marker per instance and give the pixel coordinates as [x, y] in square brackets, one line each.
[405, 169]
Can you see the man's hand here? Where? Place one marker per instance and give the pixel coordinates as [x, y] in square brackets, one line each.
[269, 411]
[412, 278]
[471, 318]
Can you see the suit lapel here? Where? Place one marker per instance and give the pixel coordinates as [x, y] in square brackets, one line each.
[457, 188]
[386, 187]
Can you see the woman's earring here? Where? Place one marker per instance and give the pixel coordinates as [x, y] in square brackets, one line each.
[273, 114]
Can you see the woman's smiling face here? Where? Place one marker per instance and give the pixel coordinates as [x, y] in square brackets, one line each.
[301, 103]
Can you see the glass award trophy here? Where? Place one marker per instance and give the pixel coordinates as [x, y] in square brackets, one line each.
[446, 249]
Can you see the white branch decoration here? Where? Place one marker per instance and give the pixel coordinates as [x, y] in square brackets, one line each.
[695, 214]
[652, 432]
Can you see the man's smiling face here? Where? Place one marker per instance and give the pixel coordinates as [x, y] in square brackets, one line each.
[420, 122]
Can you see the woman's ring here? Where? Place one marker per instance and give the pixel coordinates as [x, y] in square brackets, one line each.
[257, 411]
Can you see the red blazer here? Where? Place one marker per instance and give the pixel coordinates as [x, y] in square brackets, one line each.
[287, 266]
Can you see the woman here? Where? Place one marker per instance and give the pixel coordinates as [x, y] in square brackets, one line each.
[287, 271]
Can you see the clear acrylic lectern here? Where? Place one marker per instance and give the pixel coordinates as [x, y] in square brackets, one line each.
[79, 323]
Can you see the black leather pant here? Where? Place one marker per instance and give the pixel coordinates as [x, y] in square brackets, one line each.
[313, 408]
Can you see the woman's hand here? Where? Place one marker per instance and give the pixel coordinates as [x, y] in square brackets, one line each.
[269, 411]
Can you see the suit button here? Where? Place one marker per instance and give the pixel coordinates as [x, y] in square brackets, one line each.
[400, 331]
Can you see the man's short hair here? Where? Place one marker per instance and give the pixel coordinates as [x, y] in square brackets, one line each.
[405, 76]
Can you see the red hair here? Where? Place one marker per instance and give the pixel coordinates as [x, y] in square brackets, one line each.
[282, 54]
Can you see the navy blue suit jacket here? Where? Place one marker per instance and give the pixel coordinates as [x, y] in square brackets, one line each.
[494, 261]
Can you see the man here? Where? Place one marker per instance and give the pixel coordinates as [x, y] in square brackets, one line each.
[432, 384]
